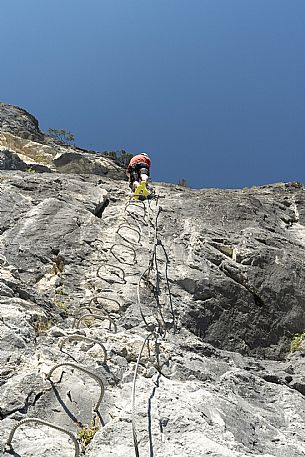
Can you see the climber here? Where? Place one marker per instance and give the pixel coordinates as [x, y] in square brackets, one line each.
[138, 170]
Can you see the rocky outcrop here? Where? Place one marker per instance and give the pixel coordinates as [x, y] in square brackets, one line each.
[170, 318]
[72, 162]
[249, 297]
[19, 122]
[20, 134]
[11, 161]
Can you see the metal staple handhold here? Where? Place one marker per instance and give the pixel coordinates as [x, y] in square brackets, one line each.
[129, 220]
[96, 316]
[95, 300]
[42, 422]
[88, 308]
[122, 278]
[136, 204]
[83, 338]
[93, 375]
[125, 225]
[134, 255]
[135, 214]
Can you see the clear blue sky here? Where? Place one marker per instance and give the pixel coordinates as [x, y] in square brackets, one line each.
[213, 90]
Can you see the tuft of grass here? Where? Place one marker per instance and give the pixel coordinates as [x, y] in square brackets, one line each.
[41, 325]
[86, 433]
[60, 291]
[62, 305]
[58, 265]
[89, 321]
[61, 299]
[296, 342]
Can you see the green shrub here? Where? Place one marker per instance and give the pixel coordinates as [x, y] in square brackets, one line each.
[297, 341]
[121, 157]
[40, 324]
[61, 135]
[86, 433]
[182, 182]
[61, 305]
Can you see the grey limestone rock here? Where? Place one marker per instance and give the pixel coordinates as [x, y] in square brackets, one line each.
[222, 285]
[71, 162]
[37, 152]
[18, 121]
[11, 161]
[229, 386]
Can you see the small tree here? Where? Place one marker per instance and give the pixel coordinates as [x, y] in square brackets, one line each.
[123, 158]
[120, 157]
[61, 135]
[182, 182]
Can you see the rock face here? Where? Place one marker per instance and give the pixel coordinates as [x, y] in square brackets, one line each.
[20, 134]
[19, 122]
[11, 161]
[171, 316]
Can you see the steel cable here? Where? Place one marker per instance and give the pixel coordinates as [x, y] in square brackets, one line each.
[168, 286]
[133, 396]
